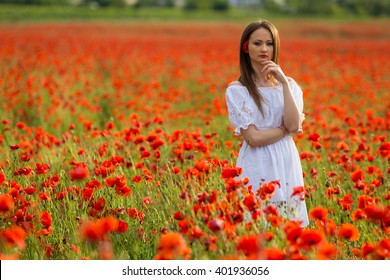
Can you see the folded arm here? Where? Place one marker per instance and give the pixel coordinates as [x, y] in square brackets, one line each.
[260, 138]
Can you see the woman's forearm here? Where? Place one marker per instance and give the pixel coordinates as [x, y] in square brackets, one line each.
[292, 117]
[260, 138]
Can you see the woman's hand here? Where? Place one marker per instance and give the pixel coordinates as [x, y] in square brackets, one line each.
[271, 68]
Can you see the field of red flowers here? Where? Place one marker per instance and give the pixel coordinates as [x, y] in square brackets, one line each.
[115, 143]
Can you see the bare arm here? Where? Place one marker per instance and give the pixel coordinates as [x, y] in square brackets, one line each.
[292, 117]
[260, 138]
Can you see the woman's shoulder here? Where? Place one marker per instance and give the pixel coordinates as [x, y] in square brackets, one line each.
[294, 85]
[236, 92]
[293, 82]
[290, 80]
[236, 87]
[235, 83]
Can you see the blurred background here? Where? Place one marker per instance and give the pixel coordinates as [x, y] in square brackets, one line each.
[188, 9]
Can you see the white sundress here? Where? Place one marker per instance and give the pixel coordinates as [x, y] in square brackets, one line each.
[279, 161]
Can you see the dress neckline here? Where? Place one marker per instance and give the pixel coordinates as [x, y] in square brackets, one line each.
[256, 86]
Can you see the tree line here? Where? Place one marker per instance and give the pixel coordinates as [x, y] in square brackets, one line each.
[299, 7]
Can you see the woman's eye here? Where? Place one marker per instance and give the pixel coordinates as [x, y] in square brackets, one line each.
[257, 43]
[270, 43]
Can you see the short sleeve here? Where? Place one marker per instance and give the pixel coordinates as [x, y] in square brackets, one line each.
[241, 115]
[298, 96]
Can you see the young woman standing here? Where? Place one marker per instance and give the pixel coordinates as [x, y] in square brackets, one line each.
[265, 107]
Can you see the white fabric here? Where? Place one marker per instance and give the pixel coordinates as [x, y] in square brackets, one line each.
[278, 161]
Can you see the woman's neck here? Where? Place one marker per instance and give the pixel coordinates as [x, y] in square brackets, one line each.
[260, 78]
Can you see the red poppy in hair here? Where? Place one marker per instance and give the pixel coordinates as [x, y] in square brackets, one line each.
[245, 46]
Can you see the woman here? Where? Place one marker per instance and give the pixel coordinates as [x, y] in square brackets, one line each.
[265, 107]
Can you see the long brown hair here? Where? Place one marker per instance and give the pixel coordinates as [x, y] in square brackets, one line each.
[246, 69]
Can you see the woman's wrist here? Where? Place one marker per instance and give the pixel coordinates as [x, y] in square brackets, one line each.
[284, 130]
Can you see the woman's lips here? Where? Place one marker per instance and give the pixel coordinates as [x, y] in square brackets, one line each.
[263, 56]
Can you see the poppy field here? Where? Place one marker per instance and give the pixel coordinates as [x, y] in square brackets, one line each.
[115, 143]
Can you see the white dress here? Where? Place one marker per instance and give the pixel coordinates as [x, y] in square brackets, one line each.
[279, 161]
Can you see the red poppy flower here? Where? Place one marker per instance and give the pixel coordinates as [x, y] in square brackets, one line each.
[348, 231]
[245, 46]
[314, 137]
[87, 193]
[30, 190]
[231, 172]
[375, 212]
[157, 144]
[6, 202]
[122, 226]
[326, 251]
[216, 225]
[250, 201]
[147, 201]
[309, 238]
[384, 150]
[383, 248]
[358, 214]
[299, 191]
[96, 230]
[14, 236]
[368, 249]
[364, 201]
[2, 178]
[178, 216]
[124, 190]
[95, 184]
[346, 202]
[79, 172]
[172, 246]
[267, 189]
[44, 196]
[271, 209]
[196, 232]
[99, 204]
[203, 165]
[250, 245]
[357, 175]
[42, 168]
[318, 213]
[184, 226]
[145, 154]
[132, 212]
[45, 219]
[176, 170]
[274, 254]
[111, 181]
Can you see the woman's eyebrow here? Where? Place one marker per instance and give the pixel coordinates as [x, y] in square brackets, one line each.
[262, 40]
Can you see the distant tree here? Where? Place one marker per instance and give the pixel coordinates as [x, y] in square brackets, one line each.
[220, 5]
[35, 2]
[169, 3]
[308, 7]
[148, 3]
[191, 5]
[117, 3]
[271, 6]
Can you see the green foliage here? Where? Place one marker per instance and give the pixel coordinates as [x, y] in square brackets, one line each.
[220, 5]
[326, 7]
[373, 8]
[191, 5]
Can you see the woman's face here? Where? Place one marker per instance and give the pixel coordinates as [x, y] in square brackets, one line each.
[261, 46]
